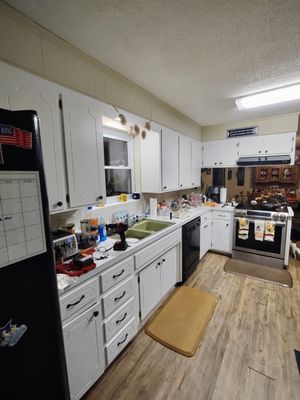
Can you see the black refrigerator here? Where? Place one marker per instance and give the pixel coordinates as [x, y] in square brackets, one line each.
[32, 360]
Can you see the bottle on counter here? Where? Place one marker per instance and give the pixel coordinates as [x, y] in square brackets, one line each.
[102, 230]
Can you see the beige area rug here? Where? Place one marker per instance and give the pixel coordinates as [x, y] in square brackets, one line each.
[182, 320]
[262, 272]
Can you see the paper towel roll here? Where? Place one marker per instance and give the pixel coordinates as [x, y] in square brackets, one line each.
[153, 207]
[223, 195]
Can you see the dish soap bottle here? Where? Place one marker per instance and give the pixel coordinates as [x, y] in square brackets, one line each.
[102, 230]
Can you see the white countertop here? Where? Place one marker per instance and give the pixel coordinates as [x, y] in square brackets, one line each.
[117, 256]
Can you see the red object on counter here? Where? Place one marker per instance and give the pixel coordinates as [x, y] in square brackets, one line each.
[70, 269]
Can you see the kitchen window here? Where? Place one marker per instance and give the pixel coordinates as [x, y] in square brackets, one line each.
[118, 162]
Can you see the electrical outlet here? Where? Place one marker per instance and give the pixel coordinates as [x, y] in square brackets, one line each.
[121, 216]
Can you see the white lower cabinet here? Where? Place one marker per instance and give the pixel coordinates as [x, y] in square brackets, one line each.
[222, 224]
[84, 350]
[205, 238]
[120, 307]
[156, 280]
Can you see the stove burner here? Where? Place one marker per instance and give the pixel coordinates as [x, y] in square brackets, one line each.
[262, 207]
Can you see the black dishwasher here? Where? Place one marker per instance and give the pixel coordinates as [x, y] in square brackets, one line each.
[190, 247]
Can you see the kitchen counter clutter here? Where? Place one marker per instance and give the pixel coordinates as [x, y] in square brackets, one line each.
[103, 309]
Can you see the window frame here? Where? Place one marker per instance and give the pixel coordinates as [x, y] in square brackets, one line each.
[114, 133]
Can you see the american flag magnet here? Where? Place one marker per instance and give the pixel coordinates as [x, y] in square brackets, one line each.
[13, 136]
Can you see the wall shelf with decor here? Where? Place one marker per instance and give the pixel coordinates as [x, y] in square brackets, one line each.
[279, 175]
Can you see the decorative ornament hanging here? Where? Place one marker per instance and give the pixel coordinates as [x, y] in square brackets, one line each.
[136, 129]
[148, 125]
[121, 116]
[144, 134]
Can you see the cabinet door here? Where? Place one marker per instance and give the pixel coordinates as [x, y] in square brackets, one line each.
[169, 160]
[149, 288]
[282, 143]
[168, 268]
[251, 146]
[151, 163]
[25, 92]
[84, 351]
[205, 238]
[222, 236]
[196, 163]
[185, 162]
[228, 152]
[84, 150]
[210, 154]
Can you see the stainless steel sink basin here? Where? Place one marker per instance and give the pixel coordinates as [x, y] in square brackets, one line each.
[151, 225]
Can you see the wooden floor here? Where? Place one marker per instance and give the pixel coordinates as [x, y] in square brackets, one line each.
[247, 352]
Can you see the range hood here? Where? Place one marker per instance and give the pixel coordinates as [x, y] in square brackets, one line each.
[264, 160]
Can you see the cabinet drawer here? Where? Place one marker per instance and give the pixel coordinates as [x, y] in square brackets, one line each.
[78, 298]
[226, 216]
[205, 218]
[119, 319]
[118, 296]
[116, 274]
[120, 341]
[154, 250]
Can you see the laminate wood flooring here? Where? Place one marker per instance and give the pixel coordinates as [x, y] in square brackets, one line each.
[247, 352]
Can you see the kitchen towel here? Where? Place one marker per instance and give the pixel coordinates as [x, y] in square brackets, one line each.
[259, 228]
[243, 228]
[269, 231]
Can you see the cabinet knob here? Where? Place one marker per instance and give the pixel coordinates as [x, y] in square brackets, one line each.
[163, 260]
[216, 163]
[266, 151]
[100, 197]
[95, 314]
[259, 151]
[59, 203]
[165, 187]
[227, 224]
[181, 185]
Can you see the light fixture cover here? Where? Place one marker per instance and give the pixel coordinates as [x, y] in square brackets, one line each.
[269, 97]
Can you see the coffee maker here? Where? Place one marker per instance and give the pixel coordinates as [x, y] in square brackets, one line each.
[214, 193]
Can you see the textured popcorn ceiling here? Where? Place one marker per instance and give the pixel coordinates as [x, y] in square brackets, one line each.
[197, 55]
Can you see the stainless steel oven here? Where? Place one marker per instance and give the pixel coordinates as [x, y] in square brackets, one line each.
[264, 252]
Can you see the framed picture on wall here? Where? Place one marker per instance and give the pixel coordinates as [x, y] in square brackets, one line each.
[240, 176]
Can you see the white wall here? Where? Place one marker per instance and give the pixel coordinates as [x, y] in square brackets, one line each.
[267, 125]
[27, 45]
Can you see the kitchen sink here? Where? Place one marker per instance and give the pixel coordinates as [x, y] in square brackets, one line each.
[152, 225]
[132, 234]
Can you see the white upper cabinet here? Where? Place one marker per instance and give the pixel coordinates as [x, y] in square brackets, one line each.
[22, 91]
[185, 161]
[267, 145]
[151, 163]
[219, 153]
[84, 149]
[196, 163]
[169, 160]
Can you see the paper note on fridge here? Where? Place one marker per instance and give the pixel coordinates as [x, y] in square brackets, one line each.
[22, 233]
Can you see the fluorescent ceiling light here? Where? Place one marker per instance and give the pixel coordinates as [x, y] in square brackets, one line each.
[268, 97]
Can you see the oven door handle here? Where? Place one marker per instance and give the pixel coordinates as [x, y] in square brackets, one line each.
[251, 220]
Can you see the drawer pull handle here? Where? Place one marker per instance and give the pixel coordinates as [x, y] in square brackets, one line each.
[117, 275]
[119, 298]
[126, 336]
[122, 319]
[77, 302]
[95, 314]
[163, 260]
